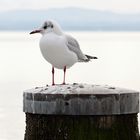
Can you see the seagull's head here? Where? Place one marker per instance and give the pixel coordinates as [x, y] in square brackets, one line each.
[49, 26]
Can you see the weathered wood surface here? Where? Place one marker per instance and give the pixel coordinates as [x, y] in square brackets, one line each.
[55, 127]
[80, 99]
[81, 112]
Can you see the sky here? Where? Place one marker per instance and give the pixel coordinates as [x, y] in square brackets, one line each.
[119, 6]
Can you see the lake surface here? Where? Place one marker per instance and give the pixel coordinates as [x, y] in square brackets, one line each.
[23, 67]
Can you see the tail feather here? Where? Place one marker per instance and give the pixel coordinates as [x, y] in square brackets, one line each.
[87, 58]
[90, 57]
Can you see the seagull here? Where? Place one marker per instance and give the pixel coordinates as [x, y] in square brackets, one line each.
[59, 49]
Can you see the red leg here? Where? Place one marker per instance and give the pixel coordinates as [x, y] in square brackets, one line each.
[64, 76]
[53, 76]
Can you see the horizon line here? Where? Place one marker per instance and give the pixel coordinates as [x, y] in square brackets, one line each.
[72, 7]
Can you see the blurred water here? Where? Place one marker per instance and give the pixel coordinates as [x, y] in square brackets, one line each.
[23, 67]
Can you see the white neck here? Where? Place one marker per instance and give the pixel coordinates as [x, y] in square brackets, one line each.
[57, 29]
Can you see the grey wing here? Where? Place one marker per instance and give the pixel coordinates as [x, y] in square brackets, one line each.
[73, 45]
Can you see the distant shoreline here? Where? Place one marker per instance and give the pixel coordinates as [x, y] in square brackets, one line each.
[70, 19]
[70, 30]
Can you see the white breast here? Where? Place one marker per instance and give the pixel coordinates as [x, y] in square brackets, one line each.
[55, 51]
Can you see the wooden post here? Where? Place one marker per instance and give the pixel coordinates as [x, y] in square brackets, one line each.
[81, 112]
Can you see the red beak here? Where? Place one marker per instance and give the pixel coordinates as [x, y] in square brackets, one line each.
[35, 31]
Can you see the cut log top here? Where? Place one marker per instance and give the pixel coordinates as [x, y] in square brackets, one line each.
[79, 89]
[80, 99]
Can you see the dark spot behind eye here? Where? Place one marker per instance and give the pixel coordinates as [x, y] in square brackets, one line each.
[45, 27]
[51, 26]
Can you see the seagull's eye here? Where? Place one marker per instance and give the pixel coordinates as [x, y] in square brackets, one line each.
[51, 26]
[45, 27]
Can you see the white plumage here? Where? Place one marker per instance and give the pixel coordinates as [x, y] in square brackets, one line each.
[59, 49]
[56, 52]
